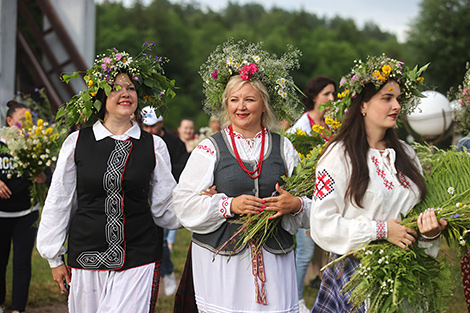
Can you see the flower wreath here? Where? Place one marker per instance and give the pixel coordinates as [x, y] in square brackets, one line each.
[378, 71]
[145, 71]
[251, 63]
[462, 112]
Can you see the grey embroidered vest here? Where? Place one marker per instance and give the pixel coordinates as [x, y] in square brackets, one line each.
[230, 179]
[113, 228]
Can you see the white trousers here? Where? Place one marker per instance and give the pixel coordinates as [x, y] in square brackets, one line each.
[111, 292]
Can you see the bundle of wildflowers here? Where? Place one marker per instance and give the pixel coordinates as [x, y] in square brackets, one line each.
[300, 183]
[390, 278]
[145, 70]
[34, 147]
[378, 70]
[462, 112]
[251, 62]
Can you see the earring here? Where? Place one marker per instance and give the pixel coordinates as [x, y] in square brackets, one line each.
[363, 114]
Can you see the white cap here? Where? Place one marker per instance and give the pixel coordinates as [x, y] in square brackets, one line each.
[149, 117]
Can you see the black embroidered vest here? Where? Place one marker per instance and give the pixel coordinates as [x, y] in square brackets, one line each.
[230, 179]
[113, 228]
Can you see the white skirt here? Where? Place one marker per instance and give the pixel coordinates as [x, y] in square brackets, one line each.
[222, 286]
[110, 291]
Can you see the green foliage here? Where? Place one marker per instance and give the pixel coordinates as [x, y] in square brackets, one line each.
[440, 35]
[187, 34]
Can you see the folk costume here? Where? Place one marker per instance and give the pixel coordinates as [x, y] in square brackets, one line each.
[213, 163]
[111, 195]
[339, 226]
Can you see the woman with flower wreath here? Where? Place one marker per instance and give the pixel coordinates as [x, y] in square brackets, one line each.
[111, 191]
[249, 88]
[367, 177]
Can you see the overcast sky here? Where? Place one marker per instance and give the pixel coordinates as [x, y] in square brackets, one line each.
[393, 16]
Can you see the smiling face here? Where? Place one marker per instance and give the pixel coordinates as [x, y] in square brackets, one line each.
[246, 108]
[382, 110]
[186, 130]
[325, 95]
[122, 100]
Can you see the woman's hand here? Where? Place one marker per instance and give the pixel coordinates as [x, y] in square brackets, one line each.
[5, 192]
[400, 235]
[40, 179]
[428, 224]
[283, 204]
[59, 274]
[209, 191]
[246, 204]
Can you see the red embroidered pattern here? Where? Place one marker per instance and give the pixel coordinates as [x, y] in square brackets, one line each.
[225, 207]
[388, 184]
[381, 230]
[323, 186]
[239, 136]
[465, 267]
[403, 181]
[205, 148]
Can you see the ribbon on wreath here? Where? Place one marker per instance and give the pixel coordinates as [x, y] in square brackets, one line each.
[465, 267]
[258, 270]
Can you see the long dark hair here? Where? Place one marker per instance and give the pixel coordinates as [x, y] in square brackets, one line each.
[12, 107]
[354, 138]
[313, 88]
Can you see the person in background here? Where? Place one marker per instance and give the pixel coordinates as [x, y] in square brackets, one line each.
[110, 194]
[178, 157]
[214, 124]
[17, 219]
[318, 92]
[186, 134]
[367, 178]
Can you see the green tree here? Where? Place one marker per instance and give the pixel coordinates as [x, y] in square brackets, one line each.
[440, 35]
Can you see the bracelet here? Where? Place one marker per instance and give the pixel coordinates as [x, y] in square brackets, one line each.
[301, 207]
[381, 230]
[423, 237]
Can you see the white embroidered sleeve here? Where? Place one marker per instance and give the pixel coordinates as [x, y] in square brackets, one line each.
[162, 184]
[292, 222]
[329, 229]
[200, 213]
[61, 202]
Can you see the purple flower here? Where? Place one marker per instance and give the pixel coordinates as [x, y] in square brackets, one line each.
[145, 43]
[214, 74]
[456, 215]
[135, 78]
[115, 49]
[118, 56]
[18, 124]
[25, 134]
[342, 81]
[107, 60]
[104, 67]
[354, 78]
[152, 43]
[36, 89]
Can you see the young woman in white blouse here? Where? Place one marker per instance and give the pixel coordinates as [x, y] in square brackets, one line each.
[366, 178]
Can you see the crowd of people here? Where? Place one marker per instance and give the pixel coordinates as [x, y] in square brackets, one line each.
[124, 184]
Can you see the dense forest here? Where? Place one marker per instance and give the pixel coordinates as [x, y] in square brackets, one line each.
[186, 34]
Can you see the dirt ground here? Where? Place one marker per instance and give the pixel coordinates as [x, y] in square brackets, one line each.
[56, 308]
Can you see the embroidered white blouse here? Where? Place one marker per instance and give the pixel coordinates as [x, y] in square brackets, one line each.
[336, 224]
[204, 214]
[61, 199]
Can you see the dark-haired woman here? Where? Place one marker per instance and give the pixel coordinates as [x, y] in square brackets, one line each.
[319, 91]
[111, 195]
[17, 220]
[366, 178]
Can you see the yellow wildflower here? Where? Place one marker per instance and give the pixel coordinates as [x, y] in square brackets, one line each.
[27, 115]
[386, 69]
[328, 121]
[49, 131]
[390, 89]
[40, 122]
[420, 79]
[90, 83]
[339, 95]
[93, 94]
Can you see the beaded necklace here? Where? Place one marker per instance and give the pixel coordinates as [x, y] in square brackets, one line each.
[237, 155]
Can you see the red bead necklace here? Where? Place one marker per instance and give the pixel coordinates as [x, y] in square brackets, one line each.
[261, 155]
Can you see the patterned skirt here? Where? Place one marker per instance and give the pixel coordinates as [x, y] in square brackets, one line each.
[330, 299]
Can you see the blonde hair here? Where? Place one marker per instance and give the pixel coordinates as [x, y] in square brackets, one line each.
[268, 118]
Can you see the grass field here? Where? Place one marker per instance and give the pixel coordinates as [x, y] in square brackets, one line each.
[43, 290]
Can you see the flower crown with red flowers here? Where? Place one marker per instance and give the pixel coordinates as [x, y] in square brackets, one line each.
[251, 62]
[145, 71]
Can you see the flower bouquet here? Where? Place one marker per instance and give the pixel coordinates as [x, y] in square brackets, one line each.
[259, 227]
[391, 279]
[34, 147]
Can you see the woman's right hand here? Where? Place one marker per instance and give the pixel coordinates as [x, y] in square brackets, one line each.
[246, 204]
[5, 192]
[400, 235]
[59, 274]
